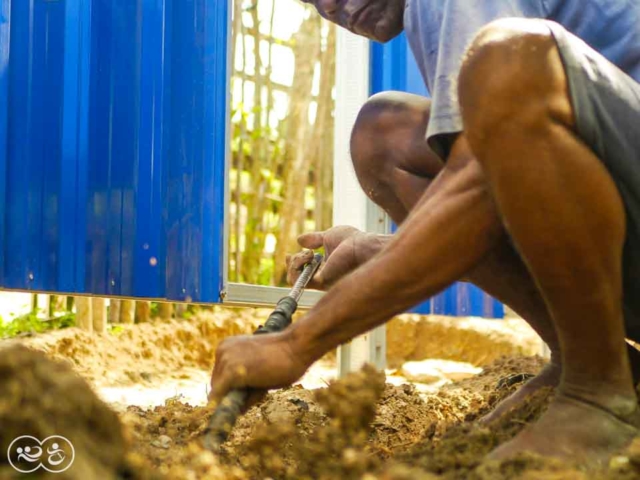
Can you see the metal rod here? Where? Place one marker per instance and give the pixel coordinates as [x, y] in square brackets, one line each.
[230, 408]
[303, 279]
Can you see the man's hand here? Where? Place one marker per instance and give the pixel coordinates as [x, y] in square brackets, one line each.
[346, 248]
[258, 362]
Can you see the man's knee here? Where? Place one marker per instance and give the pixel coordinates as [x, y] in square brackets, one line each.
[383, 129]
[512, 76]
[371, 123]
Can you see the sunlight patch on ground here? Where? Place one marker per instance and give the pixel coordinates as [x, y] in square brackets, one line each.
[428, 376]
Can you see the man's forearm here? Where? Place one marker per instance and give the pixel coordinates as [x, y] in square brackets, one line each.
[446, 235]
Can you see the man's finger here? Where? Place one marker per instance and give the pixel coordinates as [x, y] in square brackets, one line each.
[311, 240]
[316, 282]
[334, 270]
[219, 388]
[287, 262]
[301, 259]
[296, 263]
[326, 276]
[221, 384]
[292, 276]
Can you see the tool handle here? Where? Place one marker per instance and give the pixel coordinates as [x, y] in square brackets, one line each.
[307, 274]
[224, 418]
[280, 318]
[227, 412]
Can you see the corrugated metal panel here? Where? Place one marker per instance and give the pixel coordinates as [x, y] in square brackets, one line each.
[5, 45]
[112, 146]
[394, 68]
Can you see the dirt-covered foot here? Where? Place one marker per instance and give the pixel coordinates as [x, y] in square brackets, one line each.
[548, 377]
[575, 431]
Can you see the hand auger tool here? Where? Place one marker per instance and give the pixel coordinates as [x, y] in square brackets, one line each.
[227, 412]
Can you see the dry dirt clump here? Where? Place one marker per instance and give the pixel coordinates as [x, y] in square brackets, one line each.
[336, 449]
[167, 437]
[405, 418]
[41, 398]
[497, 381]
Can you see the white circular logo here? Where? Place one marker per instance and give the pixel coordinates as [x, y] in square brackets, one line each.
[27, 454]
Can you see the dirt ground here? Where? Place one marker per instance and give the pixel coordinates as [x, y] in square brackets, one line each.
[146, 353]
[359, 427]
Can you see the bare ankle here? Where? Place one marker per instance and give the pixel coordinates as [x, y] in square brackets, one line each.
[619, 400]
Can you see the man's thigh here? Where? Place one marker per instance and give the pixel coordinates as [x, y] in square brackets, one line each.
[606, 104]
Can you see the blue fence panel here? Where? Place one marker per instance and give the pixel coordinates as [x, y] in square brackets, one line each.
[5, 46]
[113, 136]
[393, 67]
[112, 146]
[33, 131]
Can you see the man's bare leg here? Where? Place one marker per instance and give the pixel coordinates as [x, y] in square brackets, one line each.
[567, 220]
[395, 167]
[503, 275]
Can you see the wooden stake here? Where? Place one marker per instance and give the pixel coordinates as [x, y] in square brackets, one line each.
[127, 311]
[143, 311]
[165, 311]
[99, 314]
[114, 310]
[84, 319]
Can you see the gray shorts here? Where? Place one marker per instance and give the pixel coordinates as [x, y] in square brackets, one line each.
[606, 104]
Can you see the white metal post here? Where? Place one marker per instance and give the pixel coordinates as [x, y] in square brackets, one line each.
[351, 206]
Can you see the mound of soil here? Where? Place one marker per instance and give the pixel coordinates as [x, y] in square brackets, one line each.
[343, 431]
[473, 340]
[356, 428]
[42, 398]
[145, 352]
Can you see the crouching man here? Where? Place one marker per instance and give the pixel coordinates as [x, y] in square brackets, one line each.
[522, 175]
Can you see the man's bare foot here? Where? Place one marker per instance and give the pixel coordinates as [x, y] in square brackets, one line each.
[575, 431]
[548, 377]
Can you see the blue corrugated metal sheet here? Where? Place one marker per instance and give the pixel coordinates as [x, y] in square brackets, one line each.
[394, 68]
[113, 132]
[112, 143]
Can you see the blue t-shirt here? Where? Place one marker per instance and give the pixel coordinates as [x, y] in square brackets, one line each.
[439, 32]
